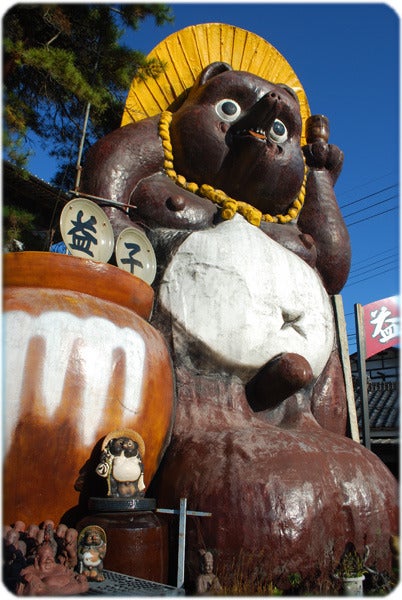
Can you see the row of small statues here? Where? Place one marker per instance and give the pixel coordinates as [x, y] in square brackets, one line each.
[47, 560]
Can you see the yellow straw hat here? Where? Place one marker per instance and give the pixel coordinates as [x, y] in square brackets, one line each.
[187, 52]
[130, 433]
[97, 528]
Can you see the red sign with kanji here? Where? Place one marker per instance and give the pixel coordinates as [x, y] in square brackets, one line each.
[381, 325]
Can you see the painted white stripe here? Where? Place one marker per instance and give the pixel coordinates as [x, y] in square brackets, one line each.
[91, 343]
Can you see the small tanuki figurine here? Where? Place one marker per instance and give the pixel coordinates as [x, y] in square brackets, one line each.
[121, 464]
[31, 541]
[49, 534]
[207, 581]
[67, 552]
[59, 535]
[48, 578]
[91, 552]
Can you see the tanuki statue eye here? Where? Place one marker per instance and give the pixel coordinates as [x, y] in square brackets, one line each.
[228, 110]
[278, 132]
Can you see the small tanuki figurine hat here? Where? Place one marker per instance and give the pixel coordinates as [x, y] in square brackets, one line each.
[129, 433]
[121, 463]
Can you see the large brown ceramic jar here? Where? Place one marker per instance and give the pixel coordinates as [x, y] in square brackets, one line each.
[81, 360]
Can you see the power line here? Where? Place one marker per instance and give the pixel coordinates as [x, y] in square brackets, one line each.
[356, 187]
[369, 265]
[367, 278]
[372, 216]
[392, 263]
[371, 206]
[365, 260]
[369, 196]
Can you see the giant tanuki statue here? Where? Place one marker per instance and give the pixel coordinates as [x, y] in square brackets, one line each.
[237, 198]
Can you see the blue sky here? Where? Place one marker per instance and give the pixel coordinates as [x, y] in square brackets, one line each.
[347, 59]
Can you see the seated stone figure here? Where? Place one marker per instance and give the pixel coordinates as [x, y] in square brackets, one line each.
[48, 578]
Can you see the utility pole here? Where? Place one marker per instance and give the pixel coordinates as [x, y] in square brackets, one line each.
[361, 360]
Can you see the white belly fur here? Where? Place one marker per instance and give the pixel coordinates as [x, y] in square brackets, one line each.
[126, 469]
[235, 290]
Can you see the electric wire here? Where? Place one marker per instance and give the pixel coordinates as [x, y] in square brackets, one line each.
[371, 266]
[360, 185]
[389, 187]
[383, 212]
[356, 212]
[375, 266]
[376, 255]
[371, 277]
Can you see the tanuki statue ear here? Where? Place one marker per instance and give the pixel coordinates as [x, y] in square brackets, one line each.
[211, 70]
[215, 68]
